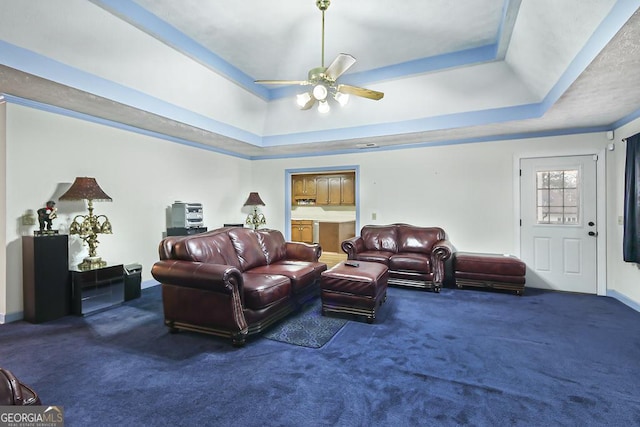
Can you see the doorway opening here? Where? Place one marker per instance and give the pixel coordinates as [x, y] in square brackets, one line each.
[322, 206]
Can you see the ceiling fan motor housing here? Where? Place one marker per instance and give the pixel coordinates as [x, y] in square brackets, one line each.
[318, 74]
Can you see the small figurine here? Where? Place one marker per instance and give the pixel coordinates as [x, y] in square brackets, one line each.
[47, 214]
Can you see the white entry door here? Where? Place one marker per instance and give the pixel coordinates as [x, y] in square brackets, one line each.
[559, 225]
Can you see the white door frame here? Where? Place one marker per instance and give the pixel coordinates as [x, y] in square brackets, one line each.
[601, 206]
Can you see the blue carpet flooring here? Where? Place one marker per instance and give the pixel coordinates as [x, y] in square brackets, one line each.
[461, 357]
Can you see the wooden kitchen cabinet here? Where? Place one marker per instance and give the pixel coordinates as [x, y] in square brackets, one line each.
[303, 187]
[348, 189]
[302, 230]
[335, 190]
[322, 190]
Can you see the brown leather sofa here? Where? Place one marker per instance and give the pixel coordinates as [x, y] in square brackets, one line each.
[234, 281]
[414, 255]
[14, 392]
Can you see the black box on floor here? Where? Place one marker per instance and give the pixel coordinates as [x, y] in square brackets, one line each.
[132, 281]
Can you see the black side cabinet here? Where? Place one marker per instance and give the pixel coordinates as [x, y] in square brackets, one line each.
[181, 231]
[45, 277]
[97, 289]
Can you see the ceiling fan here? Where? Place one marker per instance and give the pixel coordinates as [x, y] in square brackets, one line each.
[324, 79]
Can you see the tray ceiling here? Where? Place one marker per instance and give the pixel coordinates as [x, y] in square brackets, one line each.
[444, 66]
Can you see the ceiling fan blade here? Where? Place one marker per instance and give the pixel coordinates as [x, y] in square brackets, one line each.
[342, 63]
[282, 82]
[309, 104]
[359, 91]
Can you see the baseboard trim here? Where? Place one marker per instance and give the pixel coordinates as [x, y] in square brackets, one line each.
[12, 317]
[624, 299]
[149, 284]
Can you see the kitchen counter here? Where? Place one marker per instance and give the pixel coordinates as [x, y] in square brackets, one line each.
[333, 233]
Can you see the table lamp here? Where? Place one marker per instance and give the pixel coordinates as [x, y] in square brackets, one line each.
[89, 226]
[255, 219]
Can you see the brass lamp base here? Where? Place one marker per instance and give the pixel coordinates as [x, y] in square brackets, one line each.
[91, 263]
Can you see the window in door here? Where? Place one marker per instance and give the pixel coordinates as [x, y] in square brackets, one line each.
[558, 197]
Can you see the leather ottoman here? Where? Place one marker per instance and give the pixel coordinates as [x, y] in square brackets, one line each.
[357, 290]
[489, 271]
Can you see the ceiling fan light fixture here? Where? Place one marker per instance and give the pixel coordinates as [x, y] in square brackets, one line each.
[342, 98]
[323, 107]
[320, 92]
[302, 99]
[323, 80]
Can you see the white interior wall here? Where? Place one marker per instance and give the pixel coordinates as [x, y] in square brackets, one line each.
[466, 189]
[623, 278]
[143, 175]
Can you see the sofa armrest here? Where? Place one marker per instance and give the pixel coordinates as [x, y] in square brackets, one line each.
[211, 277]
[440, 252]
[353, 246]
[303, 251]
[442, 249]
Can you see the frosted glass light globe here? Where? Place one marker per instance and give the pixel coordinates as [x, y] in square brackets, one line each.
[302, 99]
[320, 92]
[323, 107]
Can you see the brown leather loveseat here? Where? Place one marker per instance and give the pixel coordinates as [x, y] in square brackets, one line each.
[414, 255]
[234, 281]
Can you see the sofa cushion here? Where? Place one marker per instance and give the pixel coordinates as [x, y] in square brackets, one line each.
[301, 273]
[262, 290]
[273, 245]
[379, 238]
[211, 248]
[249, 249]
[318, 267]
[375, 256]
[418, 239]
[409, 261]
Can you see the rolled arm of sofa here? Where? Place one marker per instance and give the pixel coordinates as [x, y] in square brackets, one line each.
[210, 277]
[303, 251]
[440, 252]
[353, 246]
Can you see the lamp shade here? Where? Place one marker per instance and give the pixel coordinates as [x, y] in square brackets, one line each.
[254, 200]
[86, 188]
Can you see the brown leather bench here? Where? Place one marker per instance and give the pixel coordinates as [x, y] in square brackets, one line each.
[489, 271]
[357, 290]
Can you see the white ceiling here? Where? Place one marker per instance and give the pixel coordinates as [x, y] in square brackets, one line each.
[452, 71]
[282, 39]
